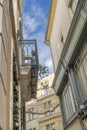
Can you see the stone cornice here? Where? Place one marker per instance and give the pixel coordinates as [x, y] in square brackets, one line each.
[50, 20]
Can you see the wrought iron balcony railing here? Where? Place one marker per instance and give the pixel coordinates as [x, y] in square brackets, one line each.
[28, 56]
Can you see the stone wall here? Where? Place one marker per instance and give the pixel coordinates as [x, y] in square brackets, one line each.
[7, 45]
[3, 61]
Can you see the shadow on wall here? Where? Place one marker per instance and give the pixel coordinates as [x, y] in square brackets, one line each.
[0, 128]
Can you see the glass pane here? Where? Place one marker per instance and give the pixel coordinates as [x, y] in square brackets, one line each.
[46, 91]
[85, 65]
[67, 106]
[45, 105]
[83, 82]
[52, 126]
[48, 127]
[68, 103]
[71, 100]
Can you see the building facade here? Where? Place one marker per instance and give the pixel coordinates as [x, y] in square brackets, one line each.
[66, 35]
[44, 112]
[12, 72]
[10, 11]
[31, 117]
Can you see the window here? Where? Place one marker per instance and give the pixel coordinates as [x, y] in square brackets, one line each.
[31, 115]
[49, 104]
[46, 91]
[35, 116]
[82, 76]
[50, 127]
[47, 107]
[68, 103]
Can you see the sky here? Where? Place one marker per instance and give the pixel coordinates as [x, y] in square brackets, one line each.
[35, 18]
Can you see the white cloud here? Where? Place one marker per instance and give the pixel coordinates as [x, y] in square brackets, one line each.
[34, 17]
[31, 23]
[34, 26]
[39, 12]
[48, 63]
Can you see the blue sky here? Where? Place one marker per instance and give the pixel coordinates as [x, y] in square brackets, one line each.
[35, 17]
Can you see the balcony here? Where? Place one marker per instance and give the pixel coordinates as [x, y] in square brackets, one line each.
[28, 68]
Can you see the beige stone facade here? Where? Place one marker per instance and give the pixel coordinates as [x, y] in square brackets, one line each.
[18, 81]
[9, 21]
[57, 29]
[66, 35]
[44, 112]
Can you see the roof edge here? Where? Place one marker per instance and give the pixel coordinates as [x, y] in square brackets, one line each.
[50, 21]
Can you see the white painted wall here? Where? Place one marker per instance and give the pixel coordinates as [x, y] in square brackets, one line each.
[61, 24]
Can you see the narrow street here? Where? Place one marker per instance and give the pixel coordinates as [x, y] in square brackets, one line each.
[43, 64]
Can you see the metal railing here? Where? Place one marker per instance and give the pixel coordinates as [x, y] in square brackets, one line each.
[29, 54]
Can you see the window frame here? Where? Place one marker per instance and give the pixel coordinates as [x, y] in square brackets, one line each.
[47, 105]
[46, 91]
[66, 103]
[81, 75]
[31, 115]
[49, 126]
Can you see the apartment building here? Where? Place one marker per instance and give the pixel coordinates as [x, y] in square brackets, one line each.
[44, 112]
[67, 37]
[10, 11]
[31, 117]
[13, 66]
